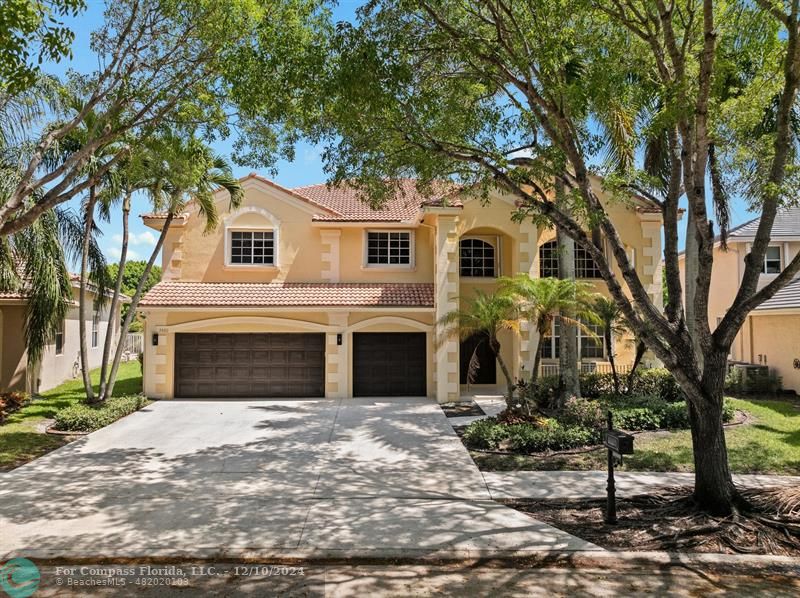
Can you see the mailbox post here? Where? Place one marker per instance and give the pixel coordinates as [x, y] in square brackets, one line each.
[618, 443]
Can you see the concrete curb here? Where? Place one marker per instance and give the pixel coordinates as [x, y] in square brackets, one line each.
[616, 561]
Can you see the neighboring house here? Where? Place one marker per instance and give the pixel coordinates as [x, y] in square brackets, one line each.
[61, 359]
[771, 334]
[309, 292]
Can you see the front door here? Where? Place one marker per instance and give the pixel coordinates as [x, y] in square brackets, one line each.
[475, 350]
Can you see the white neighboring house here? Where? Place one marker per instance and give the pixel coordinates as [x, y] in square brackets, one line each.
[61, 358]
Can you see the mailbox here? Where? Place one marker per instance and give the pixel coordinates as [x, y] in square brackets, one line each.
[620, 442]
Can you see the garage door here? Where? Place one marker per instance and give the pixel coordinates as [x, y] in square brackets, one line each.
[249, 365]
[389, 364]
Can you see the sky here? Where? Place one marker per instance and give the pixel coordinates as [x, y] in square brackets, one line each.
[306, 169]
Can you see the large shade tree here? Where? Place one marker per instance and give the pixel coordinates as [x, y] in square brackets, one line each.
[190, 65]
[527, 95]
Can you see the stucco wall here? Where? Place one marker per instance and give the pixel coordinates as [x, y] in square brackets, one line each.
[54, 368]
[777, 339]
[334, 252]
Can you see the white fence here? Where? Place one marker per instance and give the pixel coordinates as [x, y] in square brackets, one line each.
[134, 343]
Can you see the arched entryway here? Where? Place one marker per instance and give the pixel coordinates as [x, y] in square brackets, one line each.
[478, 365]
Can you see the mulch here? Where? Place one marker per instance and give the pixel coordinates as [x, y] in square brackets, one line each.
[462, 409]
[668, 520]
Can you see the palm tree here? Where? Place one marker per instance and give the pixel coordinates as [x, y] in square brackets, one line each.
[487, 315]
[613, 323]
[542, 301]
[173, 171]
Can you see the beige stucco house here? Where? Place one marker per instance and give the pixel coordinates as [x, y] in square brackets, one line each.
[771, 334]
[310, 292]
[61, 358]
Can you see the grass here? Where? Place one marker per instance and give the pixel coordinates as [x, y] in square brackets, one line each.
[21, 436]
[771, 444]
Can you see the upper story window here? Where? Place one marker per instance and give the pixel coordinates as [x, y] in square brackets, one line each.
[252, 247]
[478, 258]
[585, 266]
[60, 339]
[772, 261]
[390, 248]
[251, 238]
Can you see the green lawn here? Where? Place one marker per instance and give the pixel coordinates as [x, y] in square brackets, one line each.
[21, 441]
[771, 444]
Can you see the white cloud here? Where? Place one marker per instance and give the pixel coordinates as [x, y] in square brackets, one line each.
[116, 252]
[143, 238]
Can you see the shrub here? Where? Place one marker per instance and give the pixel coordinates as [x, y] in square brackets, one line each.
[485, 434]
[529, 438]
[88, 418]
[583, 412]
[657, 382]
[653, 413]
[595, 384]
[541, 393]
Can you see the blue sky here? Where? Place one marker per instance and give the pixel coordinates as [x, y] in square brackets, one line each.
[304, 170]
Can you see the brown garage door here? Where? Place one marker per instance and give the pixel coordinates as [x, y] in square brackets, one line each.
[249, 365]
[389, 364]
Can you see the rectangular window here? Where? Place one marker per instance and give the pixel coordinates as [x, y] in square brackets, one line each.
[550, 346]
[548, 260]
[388, 248]
[772, 261]
[60, 340]
[592, 347]
[589, 347]
[251, 247]
[95, 328]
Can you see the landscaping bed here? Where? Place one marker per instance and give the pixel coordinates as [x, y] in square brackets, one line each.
[85, 418]
[666, 520]
[23, 437]
[768, 442]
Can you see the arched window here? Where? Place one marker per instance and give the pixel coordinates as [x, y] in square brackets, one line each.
[585, 266]
[478, 258]
[548, 260]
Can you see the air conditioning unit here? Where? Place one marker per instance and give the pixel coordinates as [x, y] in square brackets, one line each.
[750, 371]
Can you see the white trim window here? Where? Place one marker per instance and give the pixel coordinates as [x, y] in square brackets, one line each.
[589, 347]
[95, 328]
[478, 257]
[252, 247]
[772, 260]
[389, 249]
[59, 340]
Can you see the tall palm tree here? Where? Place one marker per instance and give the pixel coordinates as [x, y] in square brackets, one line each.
[173, 171]
[543, 301]
[487, 315]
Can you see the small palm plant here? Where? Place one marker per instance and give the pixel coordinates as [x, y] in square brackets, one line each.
[542, 301]
[610, 317]
[486, 314]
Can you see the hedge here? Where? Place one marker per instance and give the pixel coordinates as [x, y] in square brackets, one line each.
[88, 418]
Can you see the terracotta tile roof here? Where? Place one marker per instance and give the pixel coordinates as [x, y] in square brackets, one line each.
[351, 205]
[301, 294]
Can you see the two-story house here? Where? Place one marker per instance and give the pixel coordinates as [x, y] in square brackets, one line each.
[771, 334]
[309, 292]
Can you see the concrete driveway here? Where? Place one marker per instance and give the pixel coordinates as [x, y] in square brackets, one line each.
[308, 478]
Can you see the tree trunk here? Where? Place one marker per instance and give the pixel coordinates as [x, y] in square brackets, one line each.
[611, 360]
[495, 345]
[714, 491]
[570, 384]
[85, 243]
[641, 348]
[112, 310]
[126, 324]
[537, 358]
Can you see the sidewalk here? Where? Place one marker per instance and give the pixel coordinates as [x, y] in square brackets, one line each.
[592, 484]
